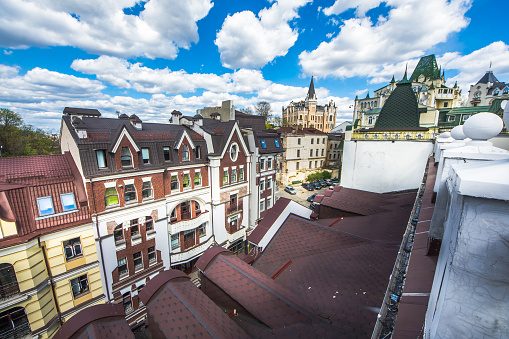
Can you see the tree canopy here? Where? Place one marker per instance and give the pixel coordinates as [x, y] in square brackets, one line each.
[18, 139]
[263, 108]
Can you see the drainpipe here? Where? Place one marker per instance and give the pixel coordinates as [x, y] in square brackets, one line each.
[100, 243]
[50, 280]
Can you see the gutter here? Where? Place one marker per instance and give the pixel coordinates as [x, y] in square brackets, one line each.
[50, 280]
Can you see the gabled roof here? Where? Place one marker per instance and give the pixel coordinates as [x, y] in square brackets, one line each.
[177, 308]
[487, 77]
[427, 66]
[123, 132]
[82, 111]
[180, 137]
[35, 170]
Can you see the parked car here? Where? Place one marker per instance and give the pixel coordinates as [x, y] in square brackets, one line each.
[328, 181]
[290, 190]
[311, 198]
[335, 180]
[309, 187]
[317, 185]
[322, 182]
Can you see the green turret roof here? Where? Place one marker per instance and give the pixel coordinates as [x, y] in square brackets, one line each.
[393, 81]
[400, 110]
[367, 96]
[426, 66]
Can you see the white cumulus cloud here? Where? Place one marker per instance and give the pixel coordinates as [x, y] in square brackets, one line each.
[361, 47]
[249, 41]
[102, 27]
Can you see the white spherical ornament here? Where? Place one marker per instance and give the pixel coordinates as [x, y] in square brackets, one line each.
[457, 133]
[444, 135]
[483, 126]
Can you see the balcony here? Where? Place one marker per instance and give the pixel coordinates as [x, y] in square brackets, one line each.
[233, 208]
[178, 258]
[236, 235]
[189, 224]
[8, 289]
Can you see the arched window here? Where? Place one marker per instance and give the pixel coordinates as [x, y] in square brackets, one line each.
[370, 119]
[14, 323]
[185, 153]
[407, 136]
[495, 92]
[506, 91]
[8, 281]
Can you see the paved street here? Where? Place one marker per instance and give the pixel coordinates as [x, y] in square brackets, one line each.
[302, 194]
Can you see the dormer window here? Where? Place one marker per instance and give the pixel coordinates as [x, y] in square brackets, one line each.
[125, 157]
[506, 91]
[145, 153]
[234, 152]
[277, 142]
[68, 202]
[262, 141]
[101, 158]
[45, 205]
[197, 152]
[185, 153]
[496, 92]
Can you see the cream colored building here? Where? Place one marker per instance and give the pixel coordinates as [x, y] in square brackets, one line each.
[428, 85]
[486, 90]
[305, 153]
[308, 114]
[49, 269]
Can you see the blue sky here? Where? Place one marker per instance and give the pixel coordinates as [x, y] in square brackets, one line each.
[151, 57]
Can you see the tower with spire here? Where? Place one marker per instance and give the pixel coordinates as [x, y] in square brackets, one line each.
[308, 114]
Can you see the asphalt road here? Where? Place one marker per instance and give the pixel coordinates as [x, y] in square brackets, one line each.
[302, 194]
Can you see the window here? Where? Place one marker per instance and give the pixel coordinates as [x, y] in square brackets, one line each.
[316, 153]
[316, 164]
[202, 230]
[269, 163]
[166, 153]
[262, 185]
[186, 181]
[146, 190]
[407, 136]
[298, 153]
[149, 223]
[263, 143]
[234, 175]
[185, 153]
[446, 104]
[45, 205]
[465, 117]
[122, 267]
[125, 157]
[322, 152]
[300, 117]
[197, 207]
[79, 286]
[151, 254]
[262, 164]
[118, 234]
[197, 178]
[310, 152]
[317, 140]
[370, 120]
[312, 141]
[135, 230]
[269, 183]
[14, 323]
[72, 248]
[262, 206]
[174, 182]
[101, 158]
[225, 176]
[310, 164]
[321, 163]
[197, 152]
[145, 154]
[450, 118]
[189, 239]
[297, 165]
[298, 141]
[234, 152]
[175, 241]
[241, 174]
[269, 202]
[130, 193]
[138, 261]
[68, 202]
[277, 141]
[126, 301]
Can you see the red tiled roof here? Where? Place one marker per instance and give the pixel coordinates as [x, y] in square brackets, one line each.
[177, 308]
[35, 170]
[104, 321]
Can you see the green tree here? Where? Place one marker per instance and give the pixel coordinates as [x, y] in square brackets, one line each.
[263, 108]
[18, 139]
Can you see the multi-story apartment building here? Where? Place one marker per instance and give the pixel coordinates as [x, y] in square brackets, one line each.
[305, 153]
[161, 194]
[334, 152]
[308, 114]
[49, 269]
[486, 90]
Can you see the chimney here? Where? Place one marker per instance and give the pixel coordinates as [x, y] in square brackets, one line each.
[175, 117]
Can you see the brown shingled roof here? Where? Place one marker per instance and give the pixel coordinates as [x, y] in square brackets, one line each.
[265, 224]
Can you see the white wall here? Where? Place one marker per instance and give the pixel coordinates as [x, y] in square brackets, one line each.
[384, 166]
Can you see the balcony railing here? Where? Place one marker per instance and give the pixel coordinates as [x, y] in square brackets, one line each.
[231, 209]
[8, 289]
[177, 258]
[186, 225]
[21, 330]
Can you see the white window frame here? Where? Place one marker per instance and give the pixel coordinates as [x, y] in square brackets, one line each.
[65, 196]
[262, 185]
[42, 200]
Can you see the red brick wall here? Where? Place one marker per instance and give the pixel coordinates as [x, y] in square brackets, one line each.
[126, 143]
[98, 204]
[227, 161]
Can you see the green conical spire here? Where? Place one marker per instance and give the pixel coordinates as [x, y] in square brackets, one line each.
[405, 79]
[393, 80]
[456, 84]
[367, 95]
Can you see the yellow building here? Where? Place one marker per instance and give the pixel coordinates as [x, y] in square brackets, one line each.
[308, 114]
[49, 269]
